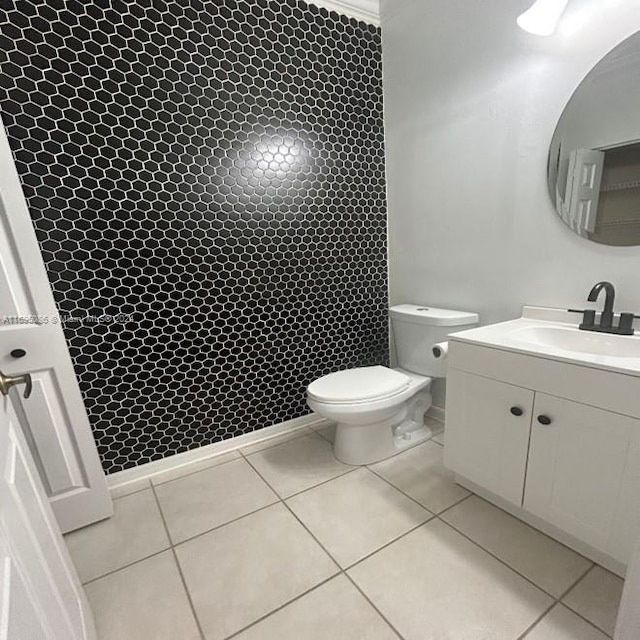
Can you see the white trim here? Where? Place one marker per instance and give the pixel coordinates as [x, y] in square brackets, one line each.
[436, 413]
[178, 460]
[364, 10]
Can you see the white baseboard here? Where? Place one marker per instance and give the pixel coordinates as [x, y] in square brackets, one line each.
[178, 460]
[436, 413]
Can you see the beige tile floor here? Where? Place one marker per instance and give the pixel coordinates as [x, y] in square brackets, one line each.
[281, 541]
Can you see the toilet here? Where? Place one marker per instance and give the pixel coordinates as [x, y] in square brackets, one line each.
[380, 411]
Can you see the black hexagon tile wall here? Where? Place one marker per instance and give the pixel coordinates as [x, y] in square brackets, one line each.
[214, 170]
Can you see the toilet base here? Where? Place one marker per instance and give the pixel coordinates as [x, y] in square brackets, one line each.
[360, 444]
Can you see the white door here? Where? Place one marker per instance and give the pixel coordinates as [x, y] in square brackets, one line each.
[40, 594]
[31, 339]
[487, 432]
[583, 189]
[581, 475]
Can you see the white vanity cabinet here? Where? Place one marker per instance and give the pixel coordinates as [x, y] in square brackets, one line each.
[583, 473]
[570, 457]
[485, 441]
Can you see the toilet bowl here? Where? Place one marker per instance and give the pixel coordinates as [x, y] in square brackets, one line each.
[379, 411]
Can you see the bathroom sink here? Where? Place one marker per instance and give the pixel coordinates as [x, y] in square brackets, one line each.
[554, 333]
[573, 339]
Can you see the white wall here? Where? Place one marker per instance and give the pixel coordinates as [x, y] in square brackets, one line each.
[471, 103]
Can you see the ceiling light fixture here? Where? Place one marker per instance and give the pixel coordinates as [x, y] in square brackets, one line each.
[542, 18]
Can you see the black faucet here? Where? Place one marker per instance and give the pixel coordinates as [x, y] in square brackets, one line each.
[606, 318]
[625, 326]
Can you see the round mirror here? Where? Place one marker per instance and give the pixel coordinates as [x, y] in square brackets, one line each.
[594, 159]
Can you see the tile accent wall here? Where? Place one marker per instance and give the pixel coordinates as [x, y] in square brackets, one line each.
[211, 175]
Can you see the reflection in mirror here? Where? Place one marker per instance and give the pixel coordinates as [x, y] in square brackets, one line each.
[594, 159]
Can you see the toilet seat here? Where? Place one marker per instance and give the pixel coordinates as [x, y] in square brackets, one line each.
[362, 384]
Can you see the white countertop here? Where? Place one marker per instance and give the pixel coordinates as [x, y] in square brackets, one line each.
[531, 335]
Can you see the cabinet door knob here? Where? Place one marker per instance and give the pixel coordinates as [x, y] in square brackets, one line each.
[18, 353]
[542, 419]
[516, 411]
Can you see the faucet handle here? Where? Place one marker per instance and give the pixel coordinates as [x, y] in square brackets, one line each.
[626, 323]
[588, 317]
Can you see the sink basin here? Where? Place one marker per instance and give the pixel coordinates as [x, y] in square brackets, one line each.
[553, 333]
[572, 339]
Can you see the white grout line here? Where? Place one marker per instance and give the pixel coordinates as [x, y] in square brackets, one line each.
[175, 559]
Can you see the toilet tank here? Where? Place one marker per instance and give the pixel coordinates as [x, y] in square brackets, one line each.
[417, 328]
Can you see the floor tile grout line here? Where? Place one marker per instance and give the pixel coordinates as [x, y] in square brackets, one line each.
[388, 544]
[577, 581]
[454, 505]
[126, 495]
[568, 606]
[180, 573]
[404, 493]
[224, 524]
[188, 473]
[341, 570]
[240, 456]
[178, 543]
[172, 546]
[297, 493]
[173, 543]
[555, 603]
[185, 475]
[374, 607]
[126, 566]
[188, 594]
[283, 605]
[345, 569]
[433, 517]
[558, 601]
[298, 433]
[537, 621]
[193, 473]
[579, 615]
[502, 562]
[542, 533]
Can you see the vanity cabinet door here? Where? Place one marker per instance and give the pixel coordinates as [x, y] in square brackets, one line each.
[487, 432]
[581, 475]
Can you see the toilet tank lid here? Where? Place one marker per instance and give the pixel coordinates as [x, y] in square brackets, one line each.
[422, 314]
